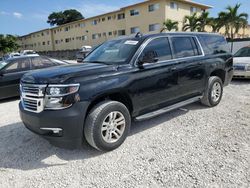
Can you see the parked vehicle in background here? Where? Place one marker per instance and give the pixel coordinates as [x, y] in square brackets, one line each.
[80, 56]
[11, 55]
[28, 52]
[242, 63]
[136, 77]
[13, 69]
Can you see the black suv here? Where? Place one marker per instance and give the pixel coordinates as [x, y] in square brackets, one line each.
[136, 77]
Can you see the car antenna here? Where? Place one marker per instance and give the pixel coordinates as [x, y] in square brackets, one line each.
[138, 35]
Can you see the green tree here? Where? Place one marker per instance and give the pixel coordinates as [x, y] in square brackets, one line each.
[169, 25]
[8, 43]
[216, 24]
[203, 21]
[191, 23]
[233, 20]
[67, 16]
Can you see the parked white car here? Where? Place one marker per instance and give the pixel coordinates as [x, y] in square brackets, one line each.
[242, 63]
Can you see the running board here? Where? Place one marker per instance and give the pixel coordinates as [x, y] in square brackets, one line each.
[167, 109]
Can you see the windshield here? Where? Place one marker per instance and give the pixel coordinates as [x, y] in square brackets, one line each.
[243, 52]
[3, 64]
[113, 52]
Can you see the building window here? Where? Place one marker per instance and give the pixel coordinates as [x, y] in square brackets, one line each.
[94, 22]
[42, 34]
[134, 12]
[67, 40]
[121, 16]
[47, 32]
[54, 31]
[109, 17]
[110, 33]
[174, 5]
[82, 25]
[95, 36]
[121, 32]
[193, 10]
[48, 42]
[104, 34]
[153, 7]
[154, 27]
[103, 19]
[84, 37]
[44, 43]
[66, 28]
[134, 30]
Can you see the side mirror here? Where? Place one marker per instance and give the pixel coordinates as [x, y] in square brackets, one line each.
[148, 57]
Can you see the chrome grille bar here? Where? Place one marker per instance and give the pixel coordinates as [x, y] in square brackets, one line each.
[32, 97]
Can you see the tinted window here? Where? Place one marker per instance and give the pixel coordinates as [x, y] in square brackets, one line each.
[214, 44]
[40, 62]
[243, 52]
[18, 65]
[184, 47]
[161, 47]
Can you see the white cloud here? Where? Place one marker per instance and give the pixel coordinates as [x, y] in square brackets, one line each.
[17, 15]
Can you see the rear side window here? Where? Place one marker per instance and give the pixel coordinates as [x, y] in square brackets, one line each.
[18, 65]
[214, 44]
[40, 62]
[185, 47]
[161, 47]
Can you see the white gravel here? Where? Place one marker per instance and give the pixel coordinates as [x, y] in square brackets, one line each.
[192, 147]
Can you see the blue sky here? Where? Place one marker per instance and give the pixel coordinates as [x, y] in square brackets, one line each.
[22, 17]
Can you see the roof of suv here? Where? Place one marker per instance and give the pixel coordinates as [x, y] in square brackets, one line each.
[141, 37]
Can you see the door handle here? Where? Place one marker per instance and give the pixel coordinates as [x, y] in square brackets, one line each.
[173, 69]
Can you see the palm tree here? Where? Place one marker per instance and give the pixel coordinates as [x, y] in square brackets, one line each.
[170, 25]
[204, 20]
[216, 24]
[191, 23]
[233, 20]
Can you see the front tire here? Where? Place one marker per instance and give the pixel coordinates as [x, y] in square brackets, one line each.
[213, 93]
[107, 125]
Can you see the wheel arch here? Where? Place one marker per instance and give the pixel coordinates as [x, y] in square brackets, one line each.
[121, 97]
[220, 73]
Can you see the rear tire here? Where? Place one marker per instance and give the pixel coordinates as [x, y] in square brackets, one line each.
[213, 93]
[107, 125]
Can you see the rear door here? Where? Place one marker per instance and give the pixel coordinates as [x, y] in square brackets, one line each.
[191, 66]
[9, 81]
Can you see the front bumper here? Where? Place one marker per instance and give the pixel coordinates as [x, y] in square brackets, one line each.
[70, 122]
[241, 74]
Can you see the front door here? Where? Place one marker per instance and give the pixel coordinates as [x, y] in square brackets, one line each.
[157, 83]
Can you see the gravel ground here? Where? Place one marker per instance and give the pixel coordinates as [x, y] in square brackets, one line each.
[190, 147]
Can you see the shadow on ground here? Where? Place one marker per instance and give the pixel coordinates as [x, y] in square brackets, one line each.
[21, 149]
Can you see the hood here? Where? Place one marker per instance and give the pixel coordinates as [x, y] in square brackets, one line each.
[59, 75]
[241, 60]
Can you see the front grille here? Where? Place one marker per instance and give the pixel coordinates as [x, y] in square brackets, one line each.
[32, 97]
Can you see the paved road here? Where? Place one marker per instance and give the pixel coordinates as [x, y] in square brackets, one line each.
[192, 147]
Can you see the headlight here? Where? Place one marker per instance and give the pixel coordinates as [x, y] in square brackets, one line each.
[61, 96]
